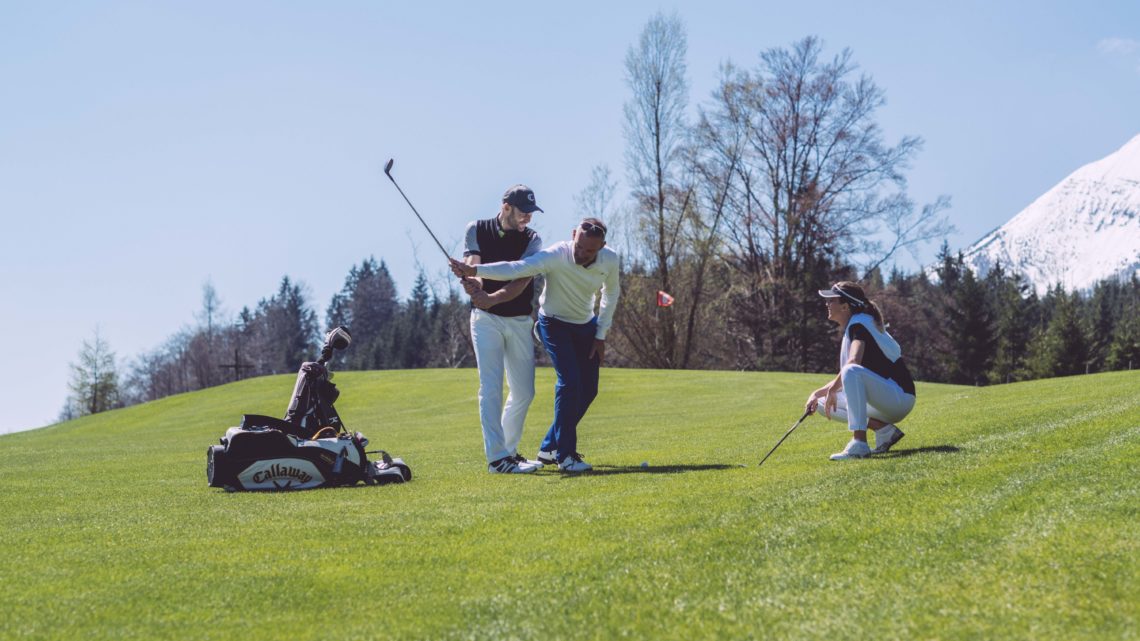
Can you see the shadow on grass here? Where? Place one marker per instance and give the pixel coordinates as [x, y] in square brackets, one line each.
[605, 470]
[936, 449]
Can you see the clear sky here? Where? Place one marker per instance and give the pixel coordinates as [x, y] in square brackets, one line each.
[146, 147]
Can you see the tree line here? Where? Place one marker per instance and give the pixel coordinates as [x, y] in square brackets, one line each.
[276, 336]
[955, 327]
[781, 184]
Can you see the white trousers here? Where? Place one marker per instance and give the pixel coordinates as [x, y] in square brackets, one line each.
[866, 394]
[503, 345]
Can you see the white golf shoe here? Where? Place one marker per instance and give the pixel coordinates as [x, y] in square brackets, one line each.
[548, 457]
[854, 449]
[886, 437]
[508, 465]
[524, 461]
[574, 463]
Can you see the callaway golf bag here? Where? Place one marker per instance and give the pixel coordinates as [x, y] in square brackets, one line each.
[309, 448]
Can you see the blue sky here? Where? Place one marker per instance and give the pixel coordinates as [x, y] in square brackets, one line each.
[146, 147]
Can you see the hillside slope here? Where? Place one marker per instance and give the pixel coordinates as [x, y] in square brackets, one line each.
[1007, 512]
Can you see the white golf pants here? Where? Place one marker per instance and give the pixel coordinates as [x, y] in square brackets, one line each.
[503, 345]
[866, 394]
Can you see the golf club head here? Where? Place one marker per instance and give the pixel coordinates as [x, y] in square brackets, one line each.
[338, 337]
[388, 167]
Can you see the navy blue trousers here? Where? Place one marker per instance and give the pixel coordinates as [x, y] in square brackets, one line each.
[569, 347]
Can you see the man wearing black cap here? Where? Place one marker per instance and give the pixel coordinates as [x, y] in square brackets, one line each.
[501, 329]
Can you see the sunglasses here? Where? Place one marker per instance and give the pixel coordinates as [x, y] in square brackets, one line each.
[593, 230]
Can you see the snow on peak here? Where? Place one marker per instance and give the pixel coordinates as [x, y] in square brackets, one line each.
[1084, 229]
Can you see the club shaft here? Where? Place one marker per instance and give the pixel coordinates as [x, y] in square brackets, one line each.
[437, 243]
[786, 435]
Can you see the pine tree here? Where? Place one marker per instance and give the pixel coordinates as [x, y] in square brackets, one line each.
[368, 306]
[971, 331]
[285, 330]
[1124, 351]
[1102, 321]
[949, 268]
[94, 381]
[1015, 313]
[1062, 348]
[414, 340]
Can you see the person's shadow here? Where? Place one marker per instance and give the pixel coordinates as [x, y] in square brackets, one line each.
[605, 470]
[935, 449]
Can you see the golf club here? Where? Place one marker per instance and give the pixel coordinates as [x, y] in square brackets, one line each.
[806, 414]
[388, 172]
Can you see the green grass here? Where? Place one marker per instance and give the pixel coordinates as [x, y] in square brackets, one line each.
[1007, 512]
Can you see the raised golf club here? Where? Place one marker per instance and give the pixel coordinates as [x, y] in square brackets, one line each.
[786, 434]
[388, 172]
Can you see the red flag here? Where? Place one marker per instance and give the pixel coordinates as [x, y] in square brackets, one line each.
[663, 299]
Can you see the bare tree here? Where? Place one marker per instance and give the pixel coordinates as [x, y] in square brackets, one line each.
[655, 133]
[596, 198]
[655, 129]
[814, 188]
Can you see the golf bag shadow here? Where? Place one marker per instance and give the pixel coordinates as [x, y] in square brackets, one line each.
[308, 448]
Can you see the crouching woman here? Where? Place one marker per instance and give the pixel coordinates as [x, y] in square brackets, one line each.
[874, 388]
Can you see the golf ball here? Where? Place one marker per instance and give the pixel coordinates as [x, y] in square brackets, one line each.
[645, 464]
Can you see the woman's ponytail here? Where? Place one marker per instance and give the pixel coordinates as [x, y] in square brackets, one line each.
[877, 314]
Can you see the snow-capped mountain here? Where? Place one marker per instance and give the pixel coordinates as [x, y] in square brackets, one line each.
[1085, 229]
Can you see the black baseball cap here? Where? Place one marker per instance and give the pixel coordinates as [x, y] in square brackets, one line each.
[522, 197]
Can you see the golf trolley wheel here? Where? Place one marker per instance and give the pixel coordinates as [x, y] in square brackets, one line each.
[214, 461]
[405, 471]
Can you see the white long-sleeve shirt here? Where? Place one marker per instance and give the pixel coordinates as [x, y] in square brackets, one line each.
[571, 290]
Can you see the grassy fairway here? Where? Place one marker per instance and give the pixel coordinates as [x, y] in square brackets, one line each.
[1007, 512]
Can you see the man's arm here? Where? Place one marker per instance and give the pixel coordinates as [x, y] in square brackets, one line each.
[474, 259]
[512, 289]
[533, 265]
[481, 299]
[611, 291]
[474, 285]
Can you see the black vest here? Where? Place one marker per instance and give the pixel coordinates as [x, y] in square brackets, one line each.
[875, 360]
[497, 245]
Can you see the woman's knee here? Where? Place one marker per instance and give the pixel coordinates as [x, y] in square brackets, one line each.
[851, 369]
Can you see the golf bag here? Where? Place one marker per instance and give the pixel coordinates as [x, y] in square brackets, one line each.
[309, 448]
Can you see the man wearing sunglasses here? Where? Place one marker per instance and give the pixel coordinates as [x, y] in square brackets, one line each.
[500, 329]
[581, 274]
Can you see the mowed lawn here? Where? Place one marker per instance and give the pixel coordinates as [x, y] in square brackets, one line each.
[1007, 512]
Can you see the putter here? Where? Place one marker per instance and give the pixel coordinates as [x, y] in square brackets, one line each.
[786, 434]
[388, 172]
